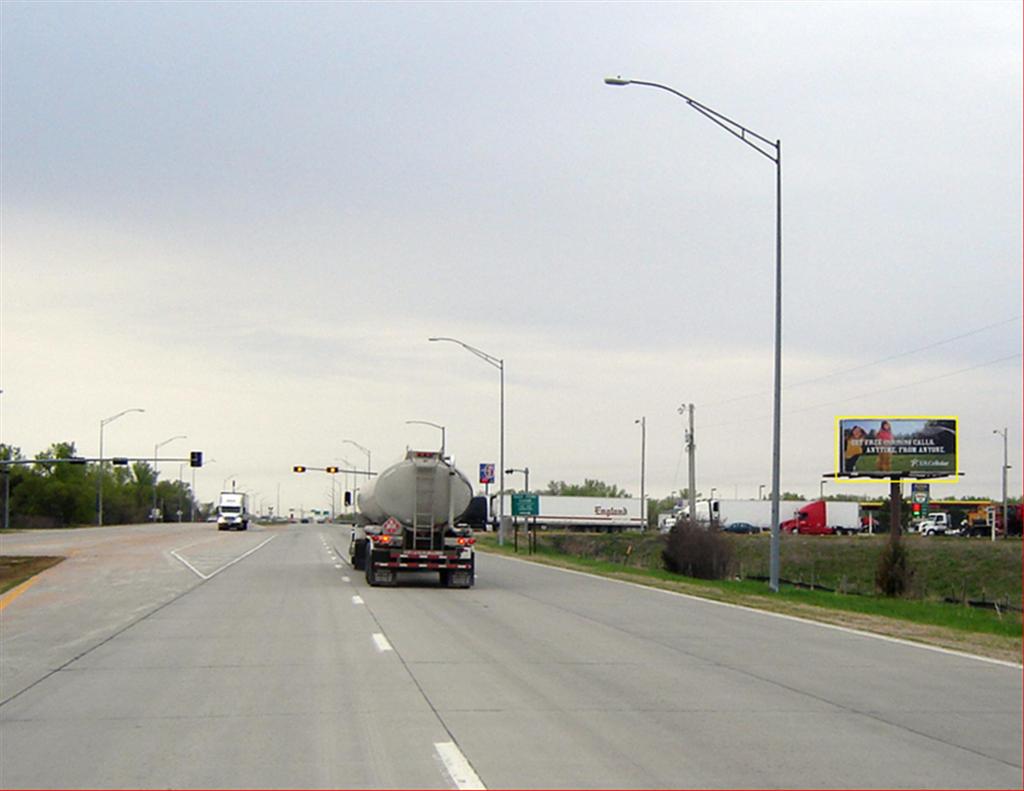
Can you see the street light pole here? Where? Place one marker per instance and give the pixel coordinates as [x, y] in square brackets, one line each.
[156, 458]
[435, 425]
[773, 151]
[643, 469]
[1006, 467]
[364, 450]
[500, 365]
[99, 483]
[821, 489]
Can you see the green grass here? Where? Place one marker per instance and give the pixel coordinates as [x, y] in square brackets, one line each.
[806, 558]
[15, 569]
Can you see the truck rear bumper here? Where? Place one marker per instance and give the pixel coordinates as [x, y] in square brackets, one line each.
[427, 561]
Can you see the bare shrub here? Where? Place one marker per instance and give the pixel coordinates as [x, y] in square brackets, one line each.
[893, 574]
[697, 552]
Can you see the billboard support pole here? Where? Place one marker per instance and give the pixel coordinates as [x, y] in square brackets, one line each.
[895, 509]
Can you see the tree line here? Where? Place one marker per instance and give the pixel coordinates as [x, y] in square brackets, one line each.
[45, 493]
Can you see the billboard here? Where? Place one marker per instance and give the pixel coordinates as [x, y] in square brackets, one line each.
[896, 447]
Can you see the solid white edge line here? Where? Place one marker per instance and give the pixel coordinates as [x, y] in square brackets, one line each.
[243, 556]
[458, 767]
[381, 642]
[189, 565]
[213, 574]
[847, 629]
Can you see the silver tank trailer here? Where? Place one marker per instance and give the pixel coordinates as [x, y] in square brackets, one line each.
[393, 492]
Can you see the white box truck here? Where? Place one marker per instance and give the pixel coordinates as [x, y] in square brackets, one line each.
[233, 511]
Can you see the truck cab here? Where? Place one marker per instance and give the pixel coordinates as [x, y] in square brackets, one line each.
[936, 524]
[232, 511]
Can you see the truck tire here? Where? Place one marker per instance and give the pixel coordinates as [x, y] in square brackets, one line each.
[371, 575]
[358, 555]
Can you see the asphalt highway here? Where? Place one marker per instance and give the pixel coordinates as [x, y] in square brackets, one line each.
[181, 657]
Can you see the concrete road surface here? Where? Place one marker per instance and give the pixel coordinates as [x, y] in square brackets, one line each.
[180, 657]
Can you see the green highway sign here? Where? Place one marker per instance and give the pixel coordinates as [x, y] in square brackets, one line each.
[525, 504]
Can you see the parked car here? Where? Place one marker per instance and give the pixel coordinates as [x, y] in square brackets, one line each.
[741, 527]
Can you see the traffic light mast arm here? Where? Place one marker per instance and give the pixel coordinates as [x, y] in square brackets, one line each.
[331, 470]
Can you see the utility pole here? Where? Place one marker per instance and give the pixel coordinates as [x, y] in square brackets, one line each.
[691, 448]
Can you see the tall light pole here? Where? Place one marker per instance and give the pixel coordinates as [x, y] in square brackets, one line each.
[99, 483]
[1006, 468]
[821, 489]
[364, 450]
[156, 458]
[643, 469]
[773, 151]
[500, 365]
[760, 491]
[435, 425]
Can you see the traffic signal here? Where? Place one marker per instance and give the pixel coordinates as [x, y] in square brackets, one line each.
[332, 470]
[298, 468]
[348, 498]
[195, 458]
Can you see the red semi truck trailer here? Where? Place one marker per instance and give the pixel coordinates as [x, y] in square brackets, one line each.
[823, 517]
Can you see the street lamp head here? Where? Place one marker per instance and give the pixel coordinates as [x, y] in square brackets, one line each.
[616, 81]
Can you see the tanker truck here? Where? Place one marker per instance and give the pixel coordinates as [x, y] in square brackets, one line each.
[407, 522]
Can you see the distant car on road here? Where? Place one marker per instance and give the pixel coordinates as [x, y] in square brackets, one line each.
[741, 527]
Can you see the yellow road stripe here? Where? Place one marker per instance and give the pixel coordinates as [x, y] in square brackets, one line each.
[14, 593]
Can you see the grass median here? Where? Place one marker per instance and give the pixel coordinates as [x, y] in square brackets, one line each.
[16, 569]
[945, 565]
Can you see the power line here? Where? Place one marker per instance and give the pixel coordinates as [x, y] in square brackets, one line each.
[870, 393]
[870, 364]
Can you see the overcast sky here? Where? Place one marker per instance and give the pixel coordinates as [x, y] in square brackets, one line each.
[248, 218]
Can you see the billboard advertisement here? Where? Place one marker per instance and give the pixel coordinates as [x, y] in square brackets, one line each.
[896, 447]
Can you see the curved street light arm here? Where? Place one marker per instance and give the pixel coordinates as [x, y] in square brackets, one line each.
[732, 127]
[112, 418]
[488, 358]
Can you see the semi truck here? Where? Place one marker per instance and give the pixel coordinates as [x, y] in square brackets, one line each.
[407, 520]
[233, 511]
[598, 514]
[823, 517]
[936, 524]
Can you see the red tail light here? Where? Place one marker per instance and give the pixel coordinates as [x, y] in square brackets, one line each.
[465, 542]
